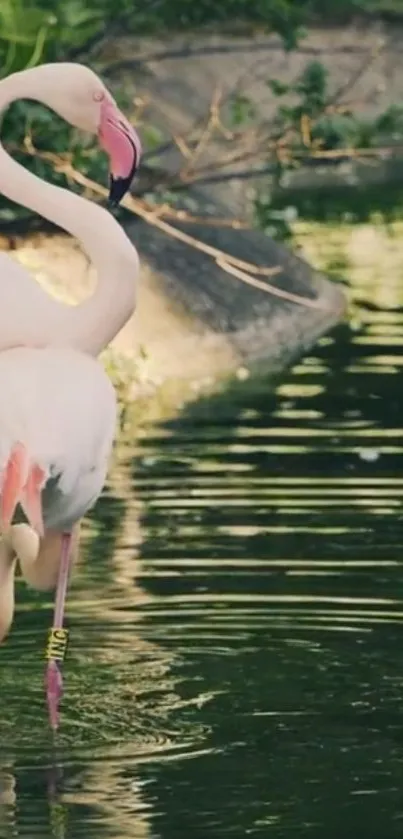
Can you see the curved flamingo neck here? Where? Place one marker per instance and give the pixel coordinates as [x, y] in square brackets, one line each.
[91, 325]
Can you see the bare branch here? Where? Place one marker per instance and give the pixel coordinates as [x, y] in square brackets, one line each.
[236, 267]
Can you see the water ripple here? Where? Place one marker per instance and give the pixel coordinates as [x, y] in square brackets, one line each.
[235, 621]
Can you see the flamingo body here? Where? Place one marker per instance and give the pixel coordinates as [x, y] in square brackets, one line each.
[61, 406]
[57, 406]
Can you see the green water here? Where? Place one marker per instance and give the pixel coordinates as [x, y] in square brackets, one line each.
[236, 663]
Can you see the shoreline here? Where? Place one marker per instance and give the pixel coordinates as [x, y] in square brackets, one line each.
[167, 354]
[163, 354]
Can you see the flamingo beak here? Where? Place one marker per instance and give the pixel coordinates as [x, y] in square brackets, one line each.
[122, 144]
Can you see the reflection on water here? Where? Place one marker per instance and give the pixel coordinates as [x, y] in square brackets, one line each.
[236, 656]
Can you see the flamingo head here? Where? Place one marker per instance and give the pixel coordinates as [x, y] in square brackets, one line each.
[78, 95]
[122, 144]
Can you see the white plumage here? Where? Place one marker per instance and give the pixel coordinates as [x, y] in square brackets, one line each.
[57, 406]
[61, 406]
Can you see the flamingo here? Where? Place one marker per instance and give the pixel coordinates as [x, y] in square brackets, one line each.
[58, 407]
[57, 426]
[29, 316]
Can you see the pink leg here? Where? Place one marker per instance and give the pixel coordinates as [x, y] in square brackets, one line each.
[58, 637]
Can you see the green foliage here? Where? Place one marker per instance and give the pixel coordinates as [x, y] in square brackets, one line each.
[330, 126]
[309, 127]
[278, 88]
[34, 31]
[311, 87]
[30, 29]
[241, 110]
[390, 123]
[283, 16]
[276, 222]
[25, 31]
[47, 133]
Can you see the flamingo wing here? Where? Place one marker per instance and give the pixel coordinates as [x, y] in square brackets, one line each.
[58, 413]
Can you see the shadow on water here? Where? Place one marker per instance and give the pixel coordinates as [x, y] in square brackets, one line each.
[359, 201]
[273, 550]
[235, 664]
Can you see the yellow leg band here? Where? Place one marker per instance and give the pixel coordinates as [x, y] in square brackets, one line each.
[57, 644]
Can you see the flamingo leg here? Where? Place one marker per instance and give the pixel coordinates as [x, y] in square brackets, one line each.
[58, 636]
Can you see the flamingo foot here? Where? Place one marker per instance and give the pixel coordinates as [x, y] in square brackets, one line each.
[54, 692]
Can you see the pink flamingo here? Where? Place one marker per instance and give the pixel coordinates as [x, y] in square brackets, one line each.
[57, 424]
[58, 411]
[29, 316]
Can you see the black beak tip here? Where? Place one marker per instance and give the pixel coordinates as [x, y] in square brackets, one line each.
[118, 187]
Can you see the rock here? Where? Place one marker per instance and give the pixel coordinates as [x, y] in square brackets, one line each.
[264, 329]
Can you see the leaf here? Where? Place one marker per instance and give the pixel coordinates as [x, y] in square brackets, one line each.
[337, 131]
[312, 87]
[391, 121]
[153, 137]
[277, 87]
[75, 13]
[22, 25]
[242, 109]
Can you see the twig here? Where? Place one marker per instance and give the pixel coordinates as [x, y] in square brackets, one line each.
[277, 292]
[359, 73]
[232, 265]
[336, 154]
[306, 130]
[166, 211]
[183, 147]
[212, 121]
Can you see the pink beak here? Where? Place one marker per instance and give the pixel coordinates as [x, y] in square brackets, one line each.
[122, 144]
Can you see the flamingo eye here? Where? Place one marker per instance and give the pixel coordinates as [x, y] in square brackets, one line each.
[99, 95]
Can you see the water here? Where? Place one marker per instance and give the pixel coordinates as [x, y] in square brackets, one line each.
[236, 663]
